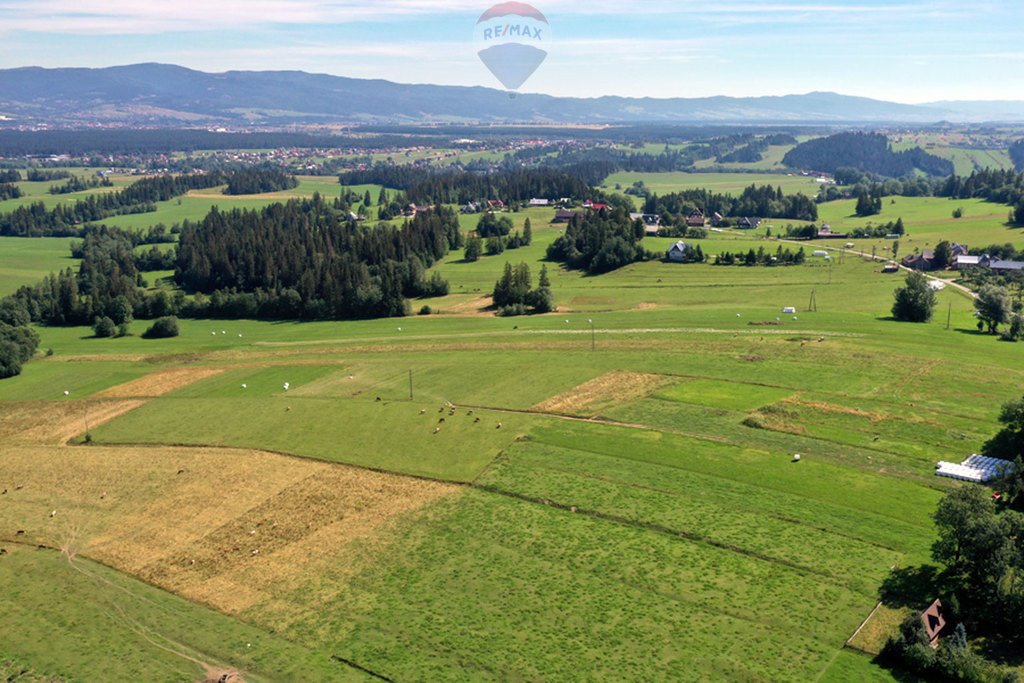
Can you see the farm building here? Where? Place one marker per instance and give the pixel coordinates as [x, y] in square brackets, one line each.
[678, 251]
[921, 261]
[1006, 266]
[471, 207]
[967, 261]
[978, 469]
[826, 233]
[540, 202]
[716, 219]
[891, 268]
[748, 223]
[695, 219]
[564, 215]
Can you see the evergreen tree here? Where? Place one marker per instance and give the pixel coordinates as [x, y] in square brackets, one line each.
[527, 233]
[474, 249]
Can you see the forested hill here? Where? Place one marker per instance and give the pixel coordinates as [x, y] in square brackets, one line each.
[168, 95]
[867, 152]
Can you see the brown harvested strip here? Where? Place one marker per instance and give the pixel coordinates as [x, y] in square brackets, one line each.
[56, 423]
[160, 383]
[613, 388]
[238, 530]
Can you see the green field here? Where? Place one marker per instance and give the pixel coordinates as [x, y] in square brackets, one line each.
[85, 622]
[654, 527]
[27, 261]
[734, 183]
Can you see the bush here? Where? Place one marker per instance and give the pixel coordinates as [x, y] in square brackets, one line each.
[513, 311]
[104, 328]
[426, 310]
[916, 301]
[163, 328]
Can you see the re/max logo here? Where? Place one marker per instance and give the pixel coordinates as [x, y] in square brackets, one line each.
[510, 30]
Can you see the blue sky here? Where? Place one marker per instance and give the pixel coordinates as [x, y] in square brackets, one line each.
[906, 50]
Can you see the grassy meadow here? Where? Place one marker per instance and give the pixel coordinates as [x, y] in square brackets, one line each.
[605, 493]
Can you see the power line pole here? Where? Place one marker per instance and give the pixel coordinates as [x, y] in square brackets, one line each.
[593, 336]
[949, 315]
[813, 306]
[410, 385]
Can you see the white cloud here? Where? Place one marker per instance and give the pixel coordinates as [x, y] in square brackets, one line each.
[92, 17]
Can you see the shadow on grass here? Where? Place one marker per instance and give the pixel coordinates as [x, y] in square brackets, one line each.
[913, 587]
[1006, 653]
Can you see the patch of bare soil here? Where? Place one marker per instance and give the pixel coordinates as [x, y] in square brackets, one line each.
[160, 383]
[613, 388]
[476, 307]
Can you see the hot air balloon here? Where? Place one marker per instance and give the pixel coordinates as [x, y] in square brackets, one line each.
[513, 40]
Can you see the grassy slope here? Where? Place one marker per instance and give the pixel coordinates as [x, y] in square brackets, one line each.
[87, 622]
[26, 261]
[871, 407]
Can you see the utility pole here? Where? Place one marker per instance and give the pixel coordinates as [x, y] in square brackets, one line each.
[830, 271]
[813, 306]
[410, 385]
[593, 336]
[949, 315]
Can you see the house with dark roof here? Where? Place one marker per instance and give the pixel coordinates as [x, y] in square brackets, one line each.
[564, 215]
[746, 223]
[922, 261]
[695, 219]
[651, 221]
[934, 620]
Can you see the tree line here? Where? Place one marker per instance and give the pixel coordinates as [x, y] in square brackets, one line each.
[763, 202]
[867, 152]
[452, 186]
[600, 242]
[78, 184]
[260, 181]
[306, 259]
[66, 220]
[762, 257]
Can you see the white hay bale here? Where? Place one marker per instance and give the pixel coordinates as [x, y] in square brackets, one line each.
[797, 458]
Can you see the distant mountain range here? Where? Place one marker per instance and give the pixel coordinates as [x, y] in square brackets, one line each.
[166, 95]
